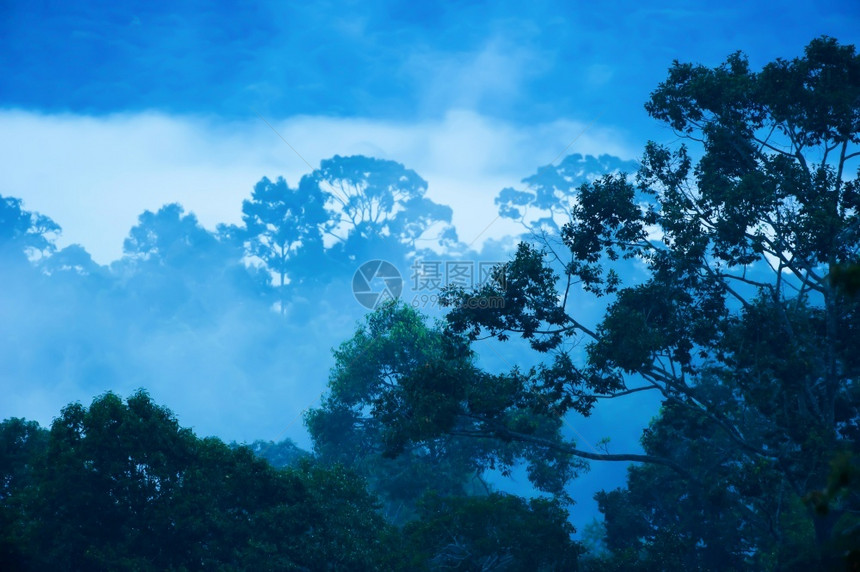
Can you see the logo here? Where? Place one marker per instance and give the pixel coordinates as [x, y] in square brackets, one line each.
[376, 282]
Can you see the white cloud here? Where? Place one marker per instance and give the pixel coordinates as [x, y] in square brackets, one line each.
[95, 175]
[496, 72]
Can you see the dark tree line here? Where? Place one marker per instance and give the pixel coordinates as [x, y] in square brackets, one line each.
[727, 267]
[119, 485]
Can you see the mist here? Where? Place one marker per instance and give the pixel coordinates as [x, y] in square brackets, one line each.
[196, 317]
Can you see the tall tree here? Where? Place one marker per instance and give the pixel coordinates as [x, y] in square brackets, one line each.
[24, 233]
[22, 443]
[407, 400]
[378, 207]
[731, 318]
[170, 237]
[545, 203]
[284, 228]
[737, 325]
[176, 267]
[393, 350]
[395, 383]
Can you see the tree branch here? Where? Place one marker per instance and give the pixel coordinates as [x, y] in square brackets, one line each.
[500, 431]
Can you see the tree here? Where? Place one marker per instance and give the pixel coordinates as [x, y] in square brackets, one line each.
[735, 324]
[394, 384]
[176, 267]
[378, 207]
[395, 351]
[24, 233]
[121, 486]
[492, 532]
[548, 192]
[284, 228]
[21, 444]
[736, 514]
[76, 260]
[401, 386]
[168, 236]
[281, 454]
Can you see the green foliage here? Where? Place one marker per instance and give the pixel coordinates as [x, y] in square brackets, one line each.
[393, 385]
[21, 444]
[280, 455]
[494, 532]
[529, 290]
[740, 315]
[846, 277]
[121, 486]
[406, 404]
[842, 495]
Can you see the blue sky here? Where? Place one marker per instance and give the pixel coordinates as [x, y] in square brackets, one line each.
[110, 108]
[525, 62]
[133, 106]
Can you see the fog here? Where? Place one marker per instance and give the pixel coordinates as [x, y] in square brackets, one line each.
[194, 315]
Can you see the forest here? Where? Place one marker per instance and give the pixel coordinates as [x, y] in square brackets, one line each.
[718, 275]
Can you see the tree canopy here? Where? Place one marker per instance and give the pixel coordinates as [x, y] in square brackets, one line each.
[120, 485]
[731, 319]
[725, 267]
[23, 233]
[377, 207]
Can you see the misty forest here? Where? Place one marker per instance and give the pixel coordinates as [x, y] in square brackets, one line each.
[713, 284]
